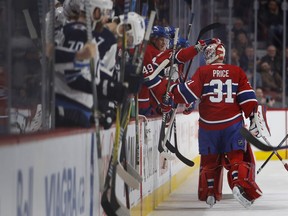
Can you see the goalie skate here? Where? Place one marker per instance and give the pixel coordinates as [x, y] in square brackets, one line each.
[210, 201]
[239, 195]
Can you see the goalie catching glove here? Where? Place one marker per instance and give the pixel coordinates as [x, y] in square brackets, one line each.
[258, 122]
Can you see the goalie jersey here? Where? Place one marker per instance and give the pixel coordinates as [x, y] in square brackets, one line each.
[224, 93]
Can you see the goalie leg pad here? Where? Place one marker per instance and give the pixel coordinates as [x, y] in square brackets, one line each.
[242, 173]
[210, 177]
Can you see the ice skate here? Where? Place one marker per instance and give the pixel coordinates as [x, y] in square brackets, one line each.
[210, 201]
[240, 196]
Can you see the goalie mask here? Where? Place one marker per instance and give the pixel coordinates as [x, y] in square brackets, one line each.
[214, 53]
[135, 29]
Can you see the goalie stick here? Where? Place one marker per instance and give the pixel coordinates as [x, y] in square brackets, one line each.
[270, 156]
[257, 143]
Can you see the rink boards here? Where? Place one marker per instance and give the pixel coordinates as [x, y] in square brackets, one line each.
[54, 173]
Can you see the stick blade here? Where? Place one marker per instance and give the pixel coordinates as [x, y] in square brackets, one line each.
[113, 207]
[184, 159]
[134, 173]
[254, 141]
[167, 155]
[170, 147]
[208, 28]
[127, 178]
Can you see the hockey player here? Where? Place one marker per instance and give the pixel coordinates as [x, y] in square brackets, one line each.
[225, 94]
[157, 85]
[73, 80]
[159, 41]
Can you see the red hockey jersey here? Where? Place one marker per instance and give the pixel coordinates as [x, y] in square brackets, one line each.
[224, 93]
[158, 85]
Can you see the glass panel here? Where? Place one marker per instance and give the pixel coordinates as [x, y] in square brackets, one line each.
[24, 67]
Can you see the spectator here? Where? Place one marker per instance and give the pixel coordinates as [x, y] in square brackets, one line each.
[235, 57]
[268, 101]
[238, 27]
[271, 81]
[241, 42]
[247, 64]
[271, 19]
[244, 10]
[272, 58]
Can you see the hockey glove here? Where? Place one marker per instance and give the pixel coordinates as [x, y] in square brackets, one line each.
[202, 44]
[108, 113]
[188, 108]
[167, 103]
[133, 80]
[114, 90]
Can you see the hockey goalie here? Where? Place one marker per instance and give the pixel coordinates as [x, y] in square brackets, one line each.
[225, 96]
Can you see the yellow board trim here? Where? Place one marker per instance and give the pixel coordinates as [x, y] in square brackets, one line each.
[150, 202]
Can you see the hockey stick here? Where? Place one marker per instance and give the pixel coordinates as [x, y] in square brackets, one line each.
[257, 143]
[30, 26]
[201, 33]
[270, 156]
[189, 30]
[138, 71]
[113, 206]
[175, 149]
[130, 180]
[161, 149]
[131, 171]
[96, 112]
[131, 176]
[167, 143]
[276, 153]
[178, 154]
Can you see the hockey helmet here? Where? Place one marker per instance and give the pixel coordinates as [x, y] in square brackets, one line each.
[159, 31]
[135, 28]
[72, 8]
[105, 6]
[59, 17]
[214, 52]
[170, 30]
[181, 43]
